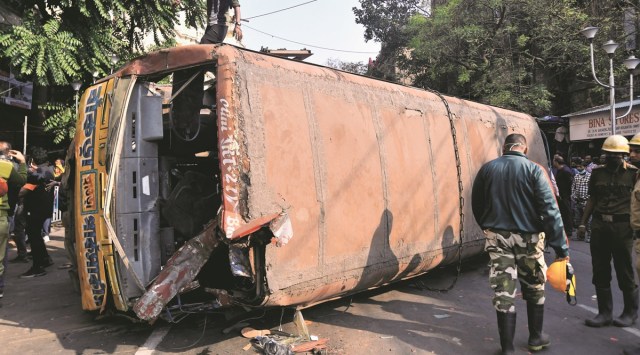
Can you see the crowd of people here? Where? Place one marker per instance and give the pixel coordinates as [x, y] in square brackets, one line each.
[27, 208]
[572, 190]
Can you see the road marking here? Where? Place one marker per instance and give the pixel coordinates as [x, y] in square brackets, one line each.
[590, 309]
[631, 330]
[154, 340]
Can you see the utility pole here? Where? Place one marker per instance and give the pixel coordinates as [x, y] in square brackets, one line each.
[24, 141]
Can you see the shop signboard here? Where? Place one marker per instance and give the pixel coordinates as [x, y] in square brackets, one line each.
[14, 92]
[598, 125]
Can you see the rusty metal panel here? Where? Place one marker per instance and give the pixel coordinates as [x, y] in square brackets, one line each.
[406, 148]
[353, 179]
[365, 169]
[281, 133]
[167, 60]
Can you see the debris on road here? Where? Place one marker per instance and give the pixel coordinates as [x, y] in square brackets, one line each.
[442, 316]
[314, 346]
[270, 346]
[249, 332]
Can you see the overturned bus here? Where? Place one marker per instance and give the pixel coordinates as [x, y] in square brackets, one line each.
[258, 181]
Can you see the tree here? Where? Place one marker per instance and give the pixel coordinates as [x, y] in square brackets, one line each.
[352, 67]
[61, 41]
[385, 21]
[525, 55]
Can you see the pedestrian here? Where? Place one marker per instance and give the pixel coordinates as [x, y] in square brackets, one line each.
[601, 160]
[589, 164]
[574, 166]
[58, 170]
[514, 204]
[634, 158]
[564, 179]
[579, 197]
[38, 205]
[66, 203]
[217, 27]
[609, 202]
[189, 83]
[19, 226]
[14, 178]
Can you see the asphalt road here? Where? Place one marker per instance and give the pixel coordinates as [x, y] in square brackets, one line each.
[43, 315]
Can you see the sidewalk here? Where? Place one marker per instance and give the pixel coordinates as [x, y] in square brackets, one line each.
[16, 287]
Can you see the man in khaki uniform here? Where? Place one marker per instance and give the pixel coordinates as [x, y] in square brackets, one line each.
[634, 158]
[610, 189]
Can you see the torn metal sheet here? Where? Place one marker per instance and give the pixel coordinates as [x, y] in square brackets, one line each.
[181, 269]
[282, 229]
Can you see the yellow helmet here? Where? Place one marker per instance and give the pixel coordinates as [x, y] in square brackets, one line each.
[616, 144]
[561, 277]
[635, 140]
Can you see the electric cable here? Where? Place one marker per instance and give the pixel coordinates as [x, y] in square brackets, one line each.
[309, 45]
[273, 12]
[204, 328]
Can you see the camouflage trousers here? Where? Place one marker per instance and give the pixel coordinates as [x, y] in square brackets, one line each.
[516, 257]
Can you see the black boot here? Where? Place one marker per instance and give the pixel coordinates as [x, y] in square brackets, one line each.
[535, 318]
[507, 329]
[605, 307]
[630, 312]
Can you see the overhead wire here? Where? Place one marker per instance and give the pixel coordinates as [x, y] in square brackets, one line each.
[288, 40]
[273, 12]
[308, 45]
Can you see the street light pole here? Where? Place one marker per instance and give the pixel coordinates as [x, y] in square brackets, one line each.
[114, 60]
[630, 63]
[612, 95]
[76, 84]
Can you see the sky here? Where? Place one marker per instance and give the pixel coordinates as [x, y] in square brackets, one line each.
[319, 26]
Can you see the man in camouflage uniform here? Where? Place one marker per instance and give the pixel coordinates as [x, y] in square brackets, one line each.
[514, 204]
[609, 203]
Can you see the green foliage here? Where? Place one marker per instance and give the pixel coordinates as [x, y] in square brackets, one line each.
[352, 67]
[385, 21]
[33, 48]
[525, 55]
[61, 41]
[61, 121]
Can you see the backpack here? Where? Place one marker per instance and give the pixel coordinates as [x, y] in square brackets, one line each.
[4, 187]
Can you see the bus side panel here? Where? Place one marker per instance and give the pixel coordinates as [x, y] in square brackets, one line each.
[367, 172]
[409, 158]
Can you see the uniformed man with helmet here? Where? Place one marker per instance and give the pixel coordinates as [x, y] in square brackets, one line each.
[634, 158]
[609, 202]
[634, 151]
